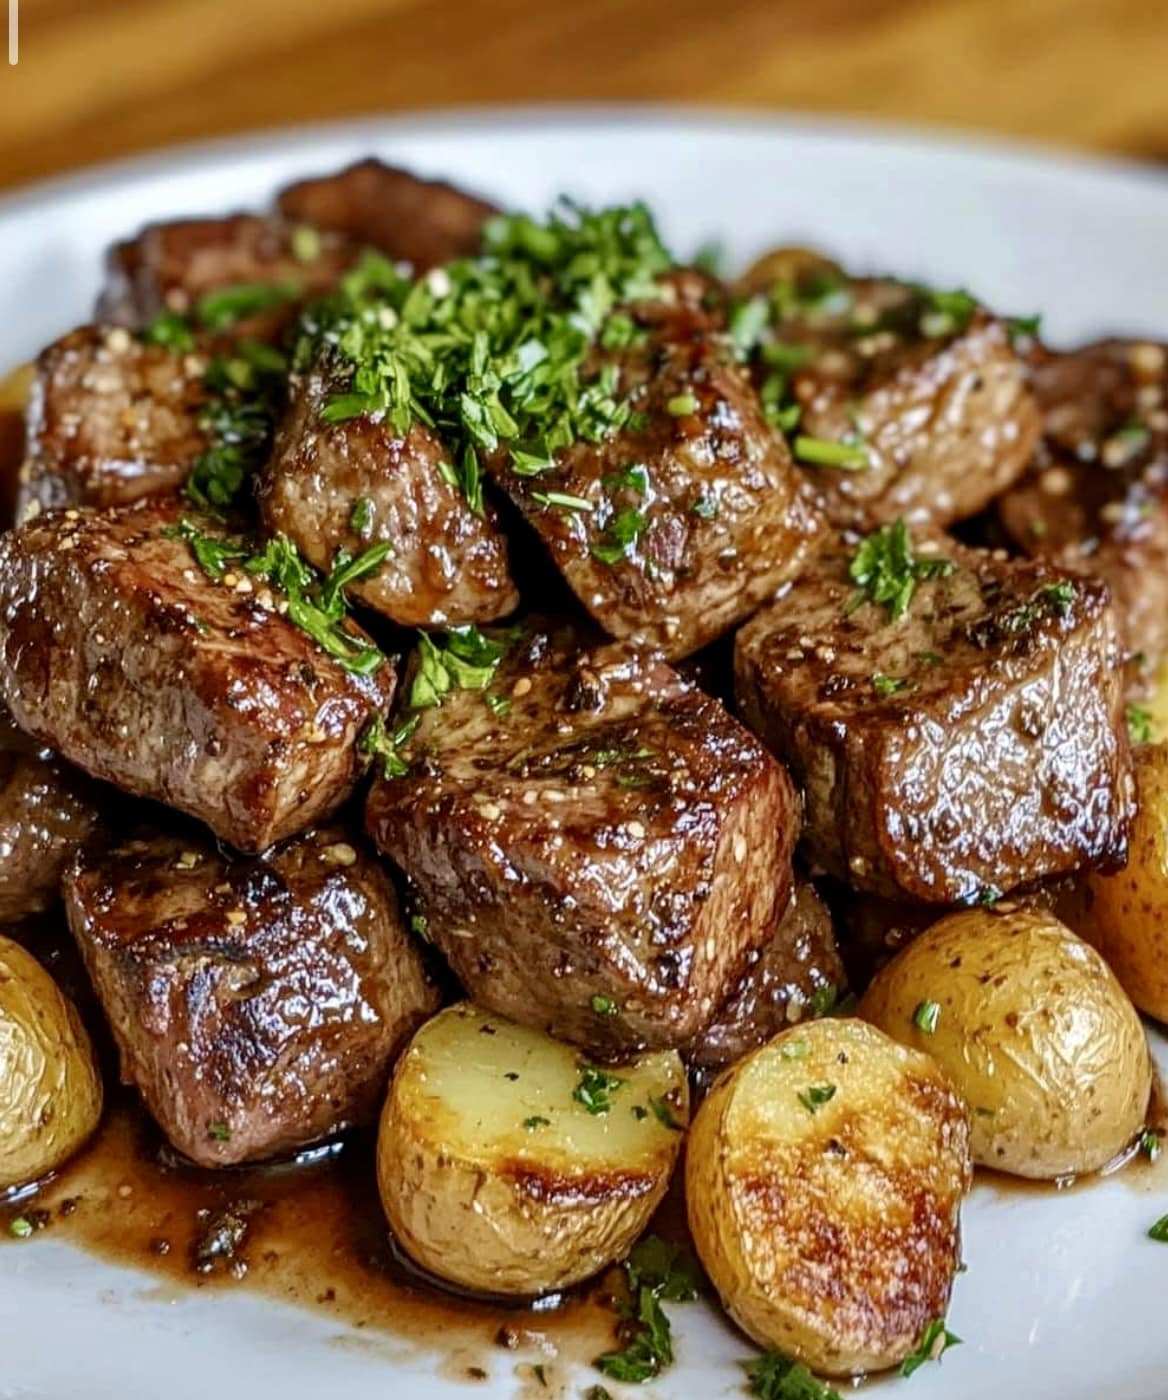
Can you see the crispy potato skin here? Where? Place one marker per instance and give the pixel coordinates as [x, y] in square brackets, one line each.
[1034, 1031]
[831, 1234]
[1125, 915]
[519, 1211]
[50, 1089]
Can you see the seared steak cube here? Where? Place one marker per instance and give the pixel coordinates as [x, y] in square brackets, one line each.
[110, 420]
[955, 718]
[121, 653]
[422, 222]
[244, 273]
[683, 521]
[796, 975]
[257, 1004]
[899, 401]
[48, 811]
[1096, 497]
[346, 485]
[595, 846]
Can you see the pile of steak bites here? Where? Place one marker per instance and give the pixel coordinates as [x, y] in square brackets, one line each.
[693, 659]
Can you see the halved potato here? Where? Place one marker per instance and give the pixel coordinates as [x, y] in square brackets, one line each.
[1032, 1028]
[1126, 915]
[824, 1179]
[507, 1164]
[50, 1089]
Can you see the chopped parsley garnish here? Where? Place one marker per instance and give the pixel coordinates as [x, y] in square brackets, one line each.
[655, 1272]
[219, 1132]
[495, 350]
[1150, 1144]
[462, 658]
[499, 705]
[20, 1228]
[536, 1121]
[823, 452]
[926, 1016]
[935, 1342]
[620, 535]
[596, 1088]
[1139, 724]
[945, 313]
[747, 325]
[889, 685]
[562, 500]
[378, 744]
[170, 329]
[823, 999]
[604, 1006]
[317, 606]
[774, 1376]
[420, 925]
[815, 1096]
[631, 478]
[664, 1115]
[227, 306]
[361, 516]
[1024, 327]
[246, 388]
[888, 572]
[1051, 600]
[1159, 1231]
[705, 507]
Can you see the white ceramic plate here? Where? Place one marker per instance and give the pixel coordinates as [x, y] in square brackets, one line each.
[1063, 1298]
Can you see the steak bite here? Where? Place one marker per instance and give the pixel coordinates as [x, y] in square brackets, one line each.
[120, 652]
[956, 720]
[48, 811]
[1096, 497]
[684, 520]
[899, 401]
[797, 974]
[345, 485]
[257, 1004]
[110, 420]
[595, 846]
[422, 222]
[244, 272]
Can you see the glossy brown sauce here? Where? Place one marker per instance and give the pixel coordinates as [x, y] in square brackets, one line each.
[315, 1238]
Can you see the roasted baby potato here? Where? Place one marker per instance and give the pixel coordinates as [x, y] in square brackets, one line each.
[1126, 915]
[50, 1090]
[824, 1179]
[1034, 1030]
[507, 1164]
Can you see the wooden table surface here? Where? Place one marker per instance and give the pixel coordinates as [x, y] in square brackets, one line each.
[102, 78]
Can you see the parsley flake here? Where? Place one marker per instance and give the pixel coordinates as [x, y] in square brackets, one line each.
[936, 1341]
[888, 572]
[596, 1088]
[815, 1096]
[926, 1016]
[1139, 724]
[774, 1376]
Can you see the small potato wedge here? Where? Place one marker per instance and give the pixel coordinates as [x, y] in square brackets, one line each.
[50, 1089]
[507, 1164]
[1126, 915]
[1034, 1030]
[824, 1180]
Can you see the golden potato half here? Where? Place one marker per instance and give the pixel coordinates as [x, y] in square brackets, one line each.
[1126, 914]
[1033, 1029]
[50, 1090]
[824, 1179]
[508, 1164]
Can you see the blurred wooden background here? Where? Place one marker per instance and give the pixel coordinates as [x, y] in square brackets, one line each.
[102, 78]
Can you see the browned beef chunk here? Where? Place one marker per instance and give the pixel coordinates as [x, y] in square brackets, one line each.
[118, 651]
[175, 266]
[14, 391]
[680, 524]
[972, 744]
[347, 485]
[110, 420]
[48, 811]
[796, 974]
[596, 846]
[257, 1003]
[1096, 497]
[922, 393]
[423, 222]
